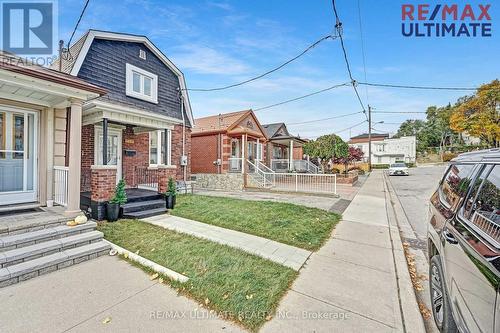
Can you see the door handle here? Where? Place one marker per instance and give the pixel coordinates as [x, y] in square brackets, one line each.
[448, 236]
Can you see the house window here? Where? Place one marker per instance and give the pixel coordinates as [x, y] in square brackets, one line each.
[141, 84]
[156, 156]
[142, 54]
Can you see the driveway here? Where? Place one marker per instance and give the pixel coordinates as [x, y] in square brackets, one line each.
[102, 295]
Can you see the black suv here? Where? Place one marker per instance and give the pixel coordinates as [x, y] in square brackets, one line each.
[464, 245]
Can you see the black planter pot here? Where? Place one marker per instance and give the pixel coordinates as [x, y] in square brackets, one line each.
[112, 211]
[170, 199]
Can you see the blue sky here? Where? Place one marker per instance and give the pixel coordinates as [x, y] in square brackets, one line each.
[218, 42]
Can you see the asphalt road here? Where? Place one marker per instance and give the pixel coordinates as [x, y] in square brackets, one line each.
[414, 192]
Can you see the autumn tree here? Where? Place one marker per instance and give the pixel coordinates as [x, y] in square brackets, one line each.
[478, 115]
[325, 148]
[354, 154]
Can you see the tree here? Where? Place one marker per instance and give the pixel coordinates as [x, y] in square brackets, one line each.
[354, 154]
[325, 148]
[478, 114]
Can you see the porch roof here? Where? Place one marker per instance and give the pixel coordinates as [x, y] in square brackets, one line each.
[33, 84]
[96, 110]
[285, 140]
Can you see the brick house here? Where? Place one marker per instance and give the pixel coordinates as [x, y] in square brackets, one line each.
[140, 131]
[279, 146]
[386, 150]
[222, 142]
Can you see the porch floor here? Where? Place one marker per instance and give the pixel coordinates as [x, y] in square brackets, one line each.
[32, 219]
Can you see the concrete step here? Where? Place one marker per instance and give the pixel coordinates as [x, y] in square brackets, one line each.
[143, 205]
[15, 241]
[22, 254]
[145, 213]
[32, 268]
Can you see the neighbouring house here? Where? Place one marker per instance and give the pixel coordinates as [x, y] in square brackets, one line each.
[40, 135]
[280, 144]
[221, 143]
[140, 131]
[387, 150]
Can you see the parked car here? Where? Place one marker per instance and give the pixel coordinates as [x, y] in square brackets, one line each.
[399, 168]
[464, 244]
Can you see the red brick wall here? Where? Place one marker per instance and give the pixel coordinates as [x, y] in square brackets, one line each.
[177, 151]
[139, 143]
[226, 153]
[103, 184]
[164, 175]
[298, 153]
[204, 151]
[87, 156]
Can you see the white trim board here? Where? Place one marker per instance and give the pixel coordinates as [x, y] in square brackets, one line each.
[92, 34]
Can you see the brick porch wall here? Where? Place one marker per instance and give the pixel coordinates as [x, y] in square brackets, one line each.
[103, 183]
[88, 139]
[177, 151]
[204, 151]
[139, 143]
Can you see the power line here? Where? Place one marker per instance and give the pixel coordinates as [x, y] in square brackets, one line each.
[414, 87]
[338, 26]
[342, 130]
[78, 22]
[310, 47]
[301, 97]
[323, 119]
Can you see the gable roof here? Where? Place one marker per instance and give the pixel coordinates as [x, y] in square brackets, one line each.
[224, 122]
[79, 51]
[271, 129]
[374, 135]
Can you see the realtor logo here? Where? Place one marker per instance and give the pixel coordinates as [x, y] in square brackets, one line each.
[29, 27]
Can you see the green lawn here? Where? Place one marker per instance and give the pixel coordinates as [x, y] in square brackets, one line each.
[240, 286]
[295, 225]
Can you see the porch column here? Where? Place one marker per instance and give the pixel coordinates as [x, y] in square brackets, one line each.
[290, 155]
[243, 155]
[49, 136]
[104, 141]
[258, 154]
[75, 158]
[165, 154]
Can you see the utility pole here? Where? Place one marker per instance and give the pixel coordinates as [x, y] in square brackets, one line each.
[369, 138]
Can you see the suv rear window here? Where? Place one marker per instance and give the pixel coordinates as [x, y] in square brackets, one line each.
[455, 184]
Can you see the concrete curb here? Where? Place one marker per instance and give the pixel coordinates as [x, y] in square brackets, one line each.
[148, 263]
[410, 313]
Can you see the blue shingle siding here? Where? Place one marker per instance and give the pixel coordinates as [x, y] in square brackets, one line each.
[104, 66]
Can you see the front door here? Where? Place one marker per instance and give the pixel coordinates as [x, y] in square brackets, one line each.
[18, 156]
[114, 151]
[235, 160]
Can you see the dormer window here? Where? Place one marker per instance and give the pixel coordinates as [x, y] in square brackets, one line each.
[141, 84]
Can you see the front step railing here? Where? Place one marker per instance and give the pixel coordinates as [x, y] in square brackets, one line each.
[292, 181]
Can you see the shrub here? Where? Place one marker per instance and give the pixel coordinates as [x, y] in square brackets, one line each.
[120, 197]
[172, 187]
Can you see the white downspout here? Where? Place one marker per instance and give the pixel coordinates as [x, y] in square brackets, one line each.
[184, 171]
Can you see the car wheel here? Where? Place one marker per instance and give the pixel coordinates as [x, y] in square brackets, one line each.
[439, 297]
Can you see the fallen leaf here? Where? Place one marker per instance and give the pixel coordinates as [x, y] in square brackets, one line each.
[154, 276]
[207, 301]
[225, 296]
[160, 280]
[125, 255]
[106, 320]
[152, 249]
[137, 252]
[269, 317]
[249, 296]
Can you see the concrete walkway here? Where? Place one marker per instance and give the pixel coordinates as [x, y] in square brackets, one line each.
[284, 254]
[350, 284]
[102, 295]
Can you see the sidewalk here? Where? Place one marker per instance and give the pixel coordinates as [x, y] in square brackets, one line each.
[284, 254]
[350, 284]
[102, 295]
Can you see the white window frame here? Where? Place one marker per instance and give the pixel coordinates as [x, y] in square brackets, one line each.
[159, 153]
[130, 70]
